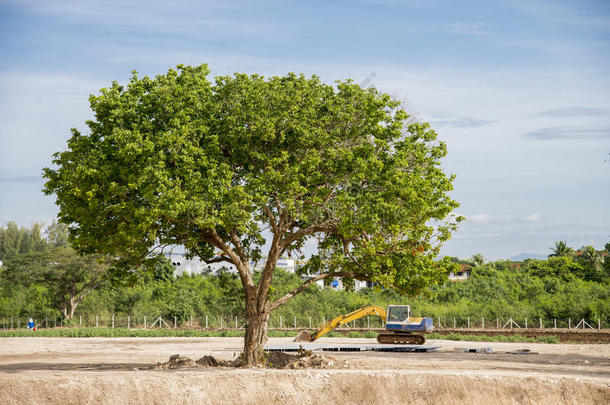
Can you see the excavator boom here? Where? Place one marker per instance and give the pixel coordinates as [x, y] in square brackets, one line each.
[342, 320]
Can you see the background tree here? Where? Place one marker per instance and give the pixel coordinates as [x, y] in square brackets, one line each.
[561, 249]
[57, 234]
[15, 240]
[68, 276]
[248, 169]
[478, 260]
[593, 262]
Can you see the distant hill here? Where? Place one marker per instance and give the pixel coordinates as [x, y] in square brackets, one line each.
[522, 256]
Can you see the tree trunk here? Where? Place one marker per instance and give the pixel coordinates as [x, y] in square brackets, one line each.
[256, 336]
[73, 305]
[69, 307]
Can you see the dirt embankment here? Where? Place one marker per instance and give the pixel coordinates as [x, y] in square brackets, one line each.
[300, 386]
[123, 371]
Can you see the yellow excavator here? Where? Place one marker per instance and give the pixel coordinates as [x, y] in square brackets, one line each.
[400, 327]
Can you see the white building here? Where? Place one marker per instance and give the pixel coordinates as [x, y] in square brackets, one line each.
[195, 266]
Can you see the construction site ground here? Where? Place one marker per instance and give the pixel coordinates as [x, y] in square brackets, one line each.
[121, 370]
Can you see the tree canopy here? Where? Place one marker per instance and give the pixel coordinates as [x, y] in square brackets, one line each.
[245, 169]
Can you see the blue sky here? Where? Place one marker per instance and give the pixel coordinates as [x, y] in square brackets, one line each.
[519, 91]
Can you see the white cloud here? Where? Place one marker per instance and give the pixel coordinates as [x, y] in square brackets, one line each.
[461, 122]
[534, 217]
[484, 218]
[574, 111]
[555, 133]
[468, 28]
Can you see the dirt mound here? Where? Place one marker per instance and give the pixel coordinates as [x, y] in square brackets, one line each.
[304, 360]
[303, 336]
[208, 361]
[176, 361]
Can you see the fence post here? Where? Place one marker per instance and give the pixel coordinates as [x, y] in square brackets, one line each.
[482, 322]
[175, 323]
[439, 321]
[554, 323]
[144, 322]
[96, 321]
[235, 321]
[221, 322]
[191, 321]
[541, 327]
[295, 322]
[206, 321]
[569, 323]
[46, 321]
[468, 322]
[368, 322]
[454, 322]
[128, 322]
[112, 321]
[525, 323]
[323, 320]
[280, 321]
[599, 323]
[497, 323]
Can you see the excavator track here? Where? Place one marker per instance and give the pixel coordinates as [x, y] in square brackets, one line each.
[400, 339]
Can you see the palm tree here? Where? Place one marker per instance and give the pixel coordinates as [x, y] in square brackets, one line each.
[561, 249]
[592, 256]
[478, 260]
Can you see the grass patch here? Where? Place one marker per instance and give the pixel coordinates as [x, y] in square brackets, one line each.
[124, 332]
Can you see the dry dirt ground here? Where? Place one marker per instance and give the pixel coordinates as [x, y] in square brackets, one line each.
[119, 370]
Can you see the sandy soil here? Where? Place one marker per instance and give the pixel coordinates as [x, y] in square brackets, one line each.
[110, 371]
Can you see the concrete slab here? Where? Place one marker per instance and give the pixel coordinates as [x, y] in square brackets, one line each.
[295, 347]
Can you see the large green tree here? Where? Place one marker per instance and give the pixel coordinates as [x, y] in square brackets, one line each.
[245, 169]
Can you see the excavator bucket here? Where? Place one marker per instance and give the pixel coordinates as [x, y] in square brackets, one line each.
[303, 336]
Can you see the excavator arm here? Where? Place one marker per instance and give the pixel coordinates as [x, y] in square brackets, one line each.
[342, 320]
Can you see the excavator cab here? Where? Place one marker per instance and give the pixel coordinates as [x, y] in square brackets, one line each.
[400, 320]
[398, 313]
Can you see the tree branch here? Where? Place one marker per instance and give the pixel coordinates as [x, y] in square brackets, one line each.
[80, 296]
[265, 281]
[238, 246]
[272, 220]
[306, 284]
[244, 273]
[321, 227]
[218, 260]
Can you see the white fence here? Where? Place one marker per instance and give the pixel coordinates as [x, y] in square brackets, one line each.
[302, 322]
